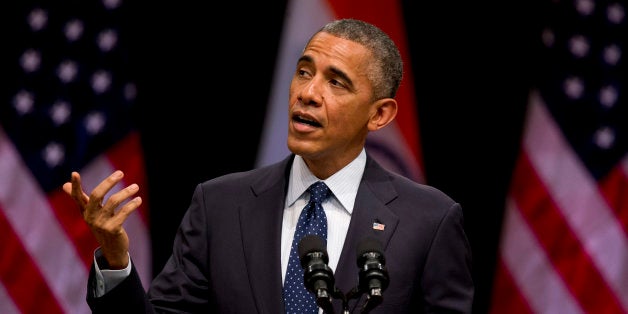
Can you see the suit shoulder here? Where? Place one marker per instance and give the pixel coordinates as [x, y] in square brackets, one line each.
[257, 177]
[422, 191]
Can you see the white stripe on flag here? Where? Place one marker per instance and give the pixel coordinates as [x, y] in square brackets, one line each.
[6, 302]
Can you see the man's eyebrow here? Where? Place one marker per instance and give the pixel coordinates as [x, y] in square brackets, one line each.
[305, 58]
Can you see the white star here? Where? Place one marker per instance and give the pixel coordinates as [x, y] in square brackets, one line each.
[585, 7]
[23, 102]
[612, 54]
[101, 81]
[573, 87]
[73, 30]
[60, 112]
[579, 46]
[615, 13]
[111, 4]
[67, 71]
[94, 122]
[107, 39]
[604, 137]
[30, 60]
[53, 154]
[608, 96]
[37, 19]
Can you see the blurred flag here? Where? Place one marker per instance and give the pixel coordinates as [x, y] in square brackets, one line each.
[564, 245]
[397, 146]
[68, 104]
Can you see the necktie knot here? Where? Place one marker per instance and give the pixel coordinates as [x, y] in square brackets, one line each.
[319, 192]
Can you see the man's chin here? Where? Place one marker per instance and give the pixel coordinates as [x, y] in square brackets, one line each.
[300, 147]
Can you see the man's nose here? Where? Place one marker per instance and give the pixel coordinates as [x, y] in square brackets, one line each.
[311, 92]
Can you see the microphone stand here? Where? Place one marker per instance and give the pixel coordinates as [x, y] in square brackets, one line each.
[355, 293]
[373, 299]
[323, 300]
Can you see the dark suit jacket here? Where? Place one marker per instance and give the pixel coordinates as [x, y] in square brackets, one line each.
[226, 255]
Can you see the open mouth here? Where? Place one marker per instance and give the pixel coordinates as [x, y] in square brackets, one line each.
[303, 120]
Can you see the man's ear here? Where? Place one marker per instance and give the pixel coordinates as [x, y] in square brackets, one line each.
[384, 111]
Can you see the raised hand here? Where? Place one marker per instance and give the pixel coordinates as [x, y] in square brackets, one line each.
[105, 220]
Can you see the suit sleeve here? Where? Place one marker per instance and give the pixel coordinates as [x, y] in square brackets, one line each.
[183, 283]
[447, 281]
[127, 297]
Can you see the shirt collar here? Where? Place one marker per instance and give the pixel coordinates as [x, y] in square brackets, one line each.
[343, 184]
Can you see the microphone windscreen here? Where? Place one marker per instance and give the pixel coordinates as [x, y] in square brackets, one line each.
[369, 245]
[311, 243]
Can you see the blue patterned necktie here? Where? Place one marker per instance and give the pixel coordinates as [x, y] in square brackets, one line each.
[311, 221]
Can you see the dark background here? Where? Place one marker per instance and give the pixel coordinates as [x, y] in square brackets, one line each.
[204, 81]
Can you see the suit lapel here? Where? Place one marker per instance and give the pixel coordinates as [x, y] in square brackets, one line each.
[260, 218]
[374, 192]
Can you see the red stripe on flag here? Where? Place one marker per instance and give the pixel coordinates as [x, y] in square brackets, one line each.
[21, 277]
[510, 301]
[614, 188]
[561, 245]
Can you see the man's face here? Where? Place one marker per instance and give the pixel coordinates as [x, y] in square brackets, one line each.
[330, 101]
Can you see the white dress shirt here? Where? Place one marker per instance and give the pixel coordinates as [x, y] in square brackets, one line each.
[338, 208]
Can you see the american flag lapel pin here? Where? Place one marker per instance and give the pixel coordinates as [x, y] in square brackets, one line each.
[378, 226]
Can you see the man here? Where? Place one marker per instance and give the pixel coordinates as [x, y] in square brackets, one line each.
[232, 250]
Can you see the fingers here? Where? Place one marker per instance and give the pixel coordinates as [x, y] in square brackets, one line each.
[120, 217]
[75, 190]
[95, 199]
[75, 179]
[119, 197]
[92, 205]
[106, 220]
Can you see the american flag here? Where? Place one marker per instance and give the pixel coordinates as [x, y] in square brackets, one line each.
[379, 226]
[564, 244]
[397, 146]
[69, 104]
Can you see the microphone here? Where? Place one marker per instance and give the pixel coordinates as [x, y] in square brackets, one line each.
[318, 277]
[373, 276]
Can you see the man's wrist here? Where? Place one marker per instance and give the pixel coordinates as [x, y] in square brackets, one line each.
[107, 279]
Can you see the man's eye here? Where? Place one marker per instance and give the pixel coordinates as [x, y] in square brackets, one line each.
[336, 83]
[303, 73]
